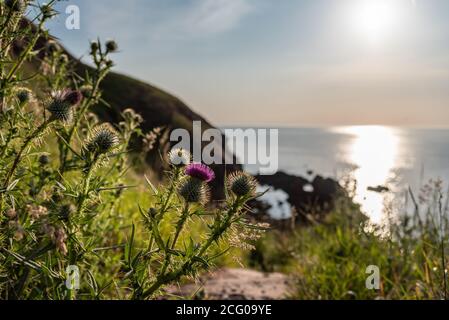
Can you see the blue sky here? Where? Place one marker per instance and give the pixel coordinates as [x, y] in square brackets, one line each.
[289, 62]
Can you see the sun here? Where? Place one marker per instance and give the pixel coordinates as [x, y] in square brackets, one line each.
[374, 20]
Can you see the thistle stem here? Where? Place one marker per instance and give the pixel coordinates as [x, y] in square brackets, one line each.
[35, 134]
[181, 223]
[84, 108]
[169, 193]
[86, 184]
[216, 234]
[26, 52]
[164, 279]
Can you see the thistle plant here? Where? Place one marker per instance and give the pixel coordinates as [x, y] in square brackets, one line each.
[183, 253]
[65, 178]
[60, 109]
[91, 89]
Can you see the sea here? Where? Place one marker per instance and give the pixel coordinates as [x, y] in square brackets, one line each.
[400, 159]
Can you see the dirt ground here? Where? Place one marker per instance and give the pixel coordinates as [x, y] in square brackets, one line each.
[236, 284]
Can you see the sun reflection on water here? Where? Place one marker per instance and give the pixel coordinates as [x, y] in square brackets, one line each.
[373, 151]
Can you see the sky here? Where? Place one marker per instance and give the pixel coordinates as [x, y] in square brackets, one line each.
[281, 63]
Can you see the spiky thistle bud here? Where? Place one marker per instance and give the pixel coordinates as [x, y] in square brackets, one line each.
[94, 46]
[103, 139]
[86, 90]
[241, 183]
[63, 59]
[194, 190]
[24, 95]
[47, 11]
[111, 46]
[109, 63]
[44, 160]
[61, 106]
[52, 46]
[179, 157]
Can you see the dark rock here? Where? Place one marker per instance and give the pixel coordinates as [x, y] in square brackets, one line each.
[379, 189]
[317, 201]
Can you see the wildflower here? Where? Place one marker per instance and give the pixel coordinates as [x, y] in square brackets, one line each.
[111, 46]
[103, 139]
[36, 212]
[61, 107]
[48, 230]
[149, 140]
[179, 157]
[16, 5]
[74, 97]
[194, 190]
[241, 183]
[11, 213]
[129, 113]
[19, 231]
[60, 238]
[244, 238]
[200, 171]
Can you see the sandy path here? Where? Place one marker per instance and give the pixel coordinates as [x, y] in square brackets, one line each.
[240, 284]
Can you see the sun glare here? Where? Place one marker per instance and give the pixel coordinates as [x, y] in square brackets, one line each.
[374, 153]
[374, 20]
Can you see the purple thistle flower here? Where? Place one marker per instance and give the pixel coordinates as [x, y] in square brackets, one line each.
[73, 97]
[200, 171]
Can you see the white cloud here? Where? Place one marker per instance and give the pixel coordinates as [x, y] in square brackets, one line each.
[215, 16]
[201, 18]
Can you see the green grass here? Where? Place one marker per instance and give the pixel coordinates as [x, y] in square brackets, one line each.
[329, 260]
[326, 260]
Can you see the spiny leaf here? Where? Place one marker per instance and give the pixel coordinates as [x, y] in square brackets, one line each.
[12, 185]
[153, 188]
